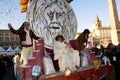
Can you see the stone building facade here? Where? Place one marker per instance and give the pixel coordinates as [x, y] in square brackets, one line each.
[101, 34]
[8, 39]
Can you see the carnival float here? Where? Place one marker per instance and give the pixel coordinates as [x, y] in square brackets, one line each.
[47, 19]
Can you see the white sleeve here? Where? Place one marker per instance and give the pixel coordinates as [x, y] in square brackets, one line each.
[105, 60]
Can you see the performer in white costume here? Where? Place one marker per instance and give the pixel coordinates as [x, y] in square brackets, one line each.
[65, 54]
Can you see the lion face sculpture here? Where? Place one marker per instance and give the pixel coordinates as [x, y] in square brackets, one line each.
[48, 18]
[54, 16]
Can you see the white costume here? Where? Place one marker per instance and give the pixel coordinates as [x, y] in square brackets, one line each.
[84, 58]
[66, 56]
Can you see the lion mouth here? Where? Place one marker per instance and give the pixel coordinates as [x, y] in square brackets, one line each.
[54, 27]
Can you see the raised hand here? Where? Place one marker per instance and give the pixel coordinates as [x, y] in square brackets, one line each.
[9, 25]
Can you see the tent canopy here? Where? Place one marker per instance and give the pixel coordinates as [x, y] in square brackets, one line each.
[10, 51]
[1, 49]
[17, 50]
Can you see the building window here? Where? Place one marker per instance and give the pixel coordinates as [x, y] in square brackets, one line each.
[1, 39]
[1, 34]
[6, 39]
[17, 39]
[12, 34]
[12, 39]
[6, 34]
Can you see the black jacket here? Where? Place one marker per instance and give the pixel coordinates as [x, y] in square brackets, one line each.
[22, 34]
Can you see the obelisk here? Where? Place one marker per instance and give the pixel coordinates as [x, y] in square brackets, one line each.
[114, 21]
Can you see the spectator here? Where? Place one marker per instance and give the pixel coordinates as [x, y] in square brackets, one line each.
[111, 54]
[118, 61]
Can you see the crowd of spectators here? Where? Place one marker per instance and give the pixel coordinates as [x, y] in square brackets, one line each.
[7, 68]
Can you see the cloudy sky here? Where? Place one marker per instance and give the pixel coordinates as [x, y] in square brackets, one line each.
[10, 12]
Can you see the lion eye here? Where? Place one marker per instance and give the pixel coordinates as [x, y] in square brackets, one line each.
[59, 15]
[50, 14]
